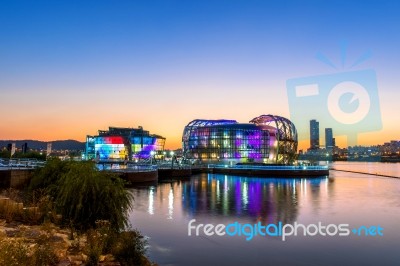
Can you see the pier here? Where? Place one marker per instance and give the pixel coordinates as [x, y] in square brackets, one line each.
[270, 170]
[17, 174]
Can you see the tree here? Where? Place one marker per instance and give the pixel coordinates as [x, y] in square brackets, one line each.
[49, 177]
[86, 195]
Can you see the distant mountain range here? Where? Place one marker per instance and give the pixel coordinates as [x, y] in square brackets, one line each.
[42, 145]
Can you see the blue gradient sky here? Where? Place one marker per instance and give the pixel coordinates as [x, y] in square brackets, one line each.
[68, 68]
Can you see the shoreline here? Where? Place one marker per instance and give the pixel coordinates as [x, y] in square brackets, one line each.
[57, 246]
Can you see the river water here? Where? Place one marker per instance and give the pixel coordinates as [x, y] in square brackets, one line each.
[163, 212]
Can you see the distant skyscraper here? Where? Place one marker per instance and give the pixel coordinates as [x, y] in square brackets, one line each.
[24, 148]
[329, 139]
[314, 134]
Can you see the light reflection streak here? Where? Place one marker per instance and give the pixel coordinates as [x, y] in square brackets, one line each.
[245, 196]
[170, 204]
[218, 191]
[151, 202]
[225, 197]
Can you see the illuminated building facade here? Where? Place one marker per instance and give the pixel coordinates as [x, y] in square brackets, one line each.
[266, 139]
[119, 144]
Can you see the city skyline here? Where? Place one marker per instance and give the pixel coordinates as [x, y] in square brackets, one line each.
[69, 69]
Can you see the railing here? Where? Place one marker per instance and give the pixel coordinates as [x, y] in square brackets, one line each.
[22, 163]
[175, 166]
[271, 167]
[127, 168]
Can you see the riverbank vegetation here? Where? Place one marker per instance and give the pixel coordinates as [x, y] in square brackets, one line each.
[70, 213]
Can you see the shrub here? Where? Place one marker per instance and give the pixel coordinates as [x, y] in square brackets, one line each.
[13, 194]
[108, 235]
[10, 210]
[130, 248]
[13, 252]
[43, 253]
[94, 247]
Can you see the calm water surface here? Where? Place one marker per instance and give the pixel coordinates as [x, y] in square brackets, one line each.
[162, 213]
[392, 169]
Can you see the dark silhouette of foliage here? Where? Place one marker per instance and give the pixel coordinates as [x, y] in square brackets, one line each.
[87, 195]
[130, 248]
[49, 176]
[83, 194]
[90, 201]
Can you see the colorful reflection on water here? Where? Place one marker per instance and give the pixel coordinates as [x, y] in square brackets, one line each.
[163, 212]
[269, 200]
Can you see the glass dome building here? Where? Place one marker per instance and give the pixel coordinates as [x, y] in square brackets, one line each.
[267, 139]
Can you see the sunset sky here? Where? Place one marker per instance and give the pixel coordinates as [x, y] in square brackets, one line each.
[69, 68]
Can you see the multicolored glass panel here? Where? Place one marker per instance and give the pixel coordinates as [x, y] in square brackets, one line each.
[244, 142]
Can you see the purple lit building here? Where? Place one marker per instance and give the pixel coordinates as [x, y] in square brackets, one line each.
[266, 139]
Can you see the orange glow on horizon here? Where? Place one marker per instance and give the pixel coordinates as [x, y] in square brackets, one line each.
[172, 133]
[74, 118]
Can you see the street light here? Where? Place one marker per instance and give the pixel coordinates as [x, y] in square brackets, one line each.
[151, 157]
